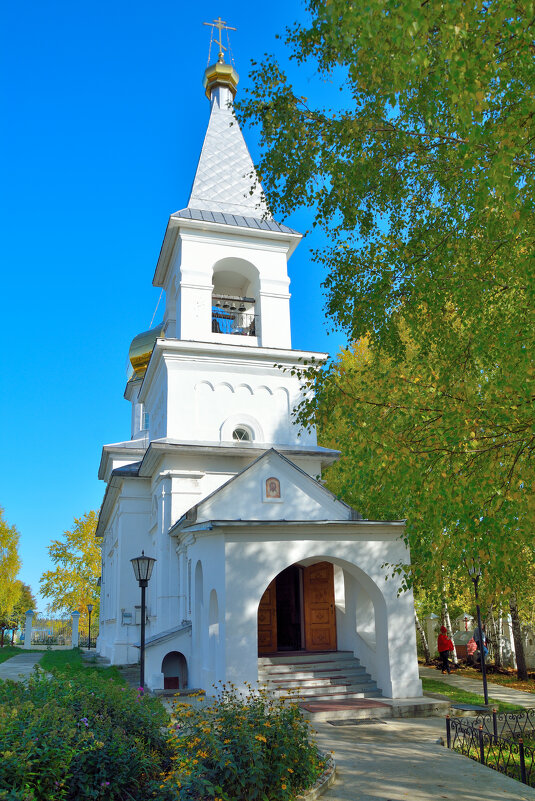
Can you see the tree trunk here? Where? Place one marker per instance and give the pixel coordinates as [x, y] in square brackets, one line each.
[493, 637]
[447, 622]
[521, 668]
[498, 656]
[423, 638]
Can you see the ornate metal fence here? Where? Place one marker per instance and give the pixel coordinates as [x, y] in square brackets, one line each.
[498, 741]
[83, 640]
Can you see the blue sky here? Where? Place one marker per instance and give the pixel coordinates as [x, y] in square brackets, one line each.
[104, 116]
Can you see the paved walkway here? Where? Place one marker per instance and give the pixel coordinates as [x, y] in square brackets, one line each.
[403, 759]
[20, 666]
[496, 691]
[400, 760]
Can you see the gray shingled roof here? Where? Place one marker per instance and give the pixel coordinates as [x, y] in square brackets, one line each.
[225, 180]
[203, 215]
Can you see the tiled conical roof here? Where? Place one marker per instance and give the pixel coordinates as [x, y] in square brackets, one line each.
[225, 180]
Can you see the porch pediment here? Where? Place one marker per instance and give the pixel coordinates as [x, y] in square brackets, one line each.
[270, 489]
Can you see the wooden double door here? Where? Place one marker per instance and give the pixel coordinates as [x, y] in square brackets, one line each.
[297, 611]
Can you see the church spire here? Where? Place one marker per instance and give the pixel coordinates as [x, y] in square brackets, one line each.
[225, 180]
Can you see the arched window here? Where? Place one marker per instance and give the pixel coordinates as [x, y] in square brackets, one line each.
[241, 434]
[235, 285]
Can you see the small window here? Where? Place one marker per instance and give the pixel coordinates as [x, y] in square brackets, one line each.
[241, 434]
[146, 421]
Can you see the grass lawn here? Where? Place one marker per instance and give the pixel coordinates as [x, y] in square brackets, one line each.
[459, 696]
[8, 651]
[72, 662]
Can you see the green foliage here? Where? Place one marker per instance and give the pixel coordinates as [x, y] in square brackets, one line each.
[423, 181]
[74, 582]
[9, 567]
[255, 747]
[390, 422]
[78, 737]
[26, 600]
[429, 161]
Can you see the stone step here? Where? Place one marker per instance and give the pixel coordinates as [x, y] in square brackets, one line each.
[346, 664]
[331, 681]
[298, 658]
[304, 675]
[325, 676]
[321, 710]
[337, 696]
[92, 657]
[339, 690]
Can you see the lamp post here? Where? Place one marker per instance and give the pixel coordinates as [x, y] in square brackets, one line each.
[474, 571]
[89, 609]
[142, 566]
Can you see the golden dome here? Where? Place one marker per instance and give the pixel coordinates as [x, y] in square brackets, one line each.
[141, 349]
[220, 74]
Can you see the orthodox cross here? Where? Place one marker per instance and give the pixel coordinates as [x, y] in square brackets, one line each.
[220, 25]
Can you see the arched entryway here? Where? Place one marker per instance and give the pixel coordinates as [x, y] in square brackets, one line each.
[175, 671]
[297, 611]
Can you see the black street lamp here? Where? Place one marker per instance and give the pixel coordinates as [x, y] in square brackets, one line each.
[89, 609]
[474, 571]
[142, 570]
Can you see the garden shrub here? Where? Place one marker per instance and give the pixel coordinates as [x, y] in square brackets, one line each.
[80, 737]
[235, 748]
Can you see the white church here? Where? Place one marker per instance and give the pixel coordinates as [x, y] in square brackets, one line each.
[258, 564]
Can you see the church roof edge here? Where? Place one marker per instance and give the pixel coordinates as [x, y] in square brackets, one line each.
[191, 514]
[234, 219]
[157, 447]
[219, 222]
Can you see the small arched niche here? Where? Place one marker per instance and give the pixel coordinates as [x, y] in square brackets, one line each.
[213, 632]
[175, 671]
[234, 297]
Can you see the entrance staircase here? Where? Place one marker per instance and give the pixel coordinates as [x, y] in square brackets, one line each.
[313, 677]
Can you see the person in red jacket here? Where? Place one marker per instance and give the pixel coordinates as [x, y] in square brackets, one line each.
[445, 645]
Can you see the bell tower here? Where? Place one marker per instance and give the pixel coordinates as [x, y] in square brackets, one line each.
[223, 260]
[210, 372]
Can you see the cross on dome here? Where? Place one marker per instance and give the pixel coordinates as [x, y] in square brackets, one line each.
[221, 25]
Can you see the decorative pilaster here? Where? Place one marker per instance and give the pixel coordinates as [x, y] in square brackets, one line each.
[75, 622]
[28, 629]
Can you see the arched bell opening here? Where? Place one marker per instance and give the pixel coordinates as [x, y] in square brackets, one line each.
[175, 671]
[297, 610]
[235, 287]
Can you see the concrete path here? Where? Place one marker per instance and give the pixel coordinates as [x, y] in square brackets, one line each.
[496, 691]
[400, 760]
[20, 666]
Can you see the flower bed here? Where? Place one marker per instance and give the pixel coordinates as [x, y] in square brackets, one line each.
[80, 737]
[236, 748]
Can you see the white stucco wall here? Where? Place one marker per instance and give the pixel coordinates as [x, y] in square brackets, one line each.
[195, 392]
[260, 259]
[251, 563]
